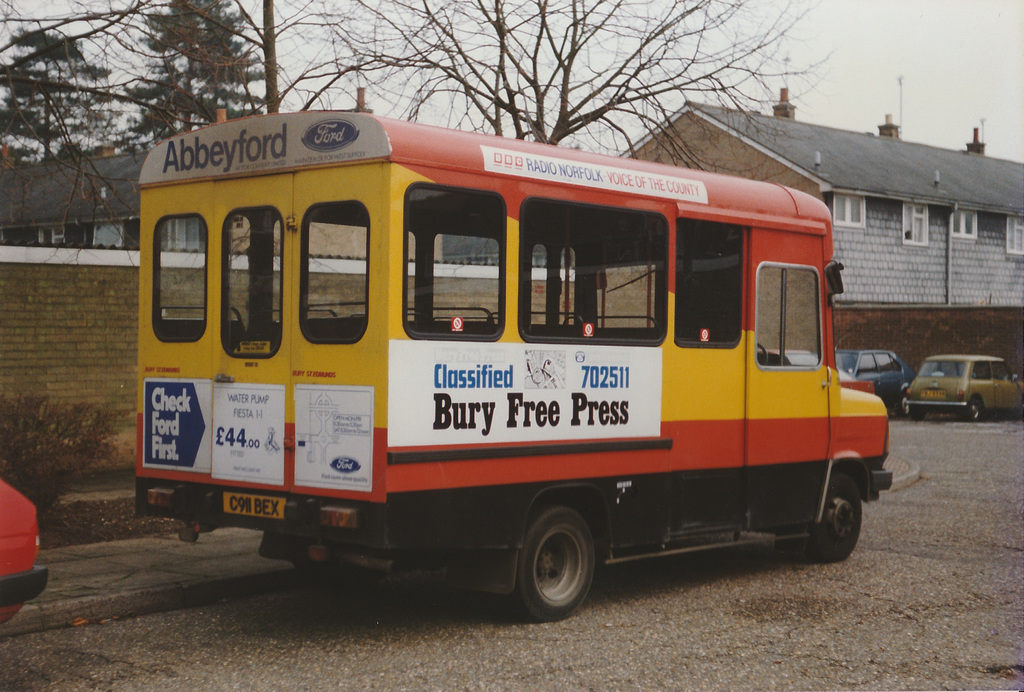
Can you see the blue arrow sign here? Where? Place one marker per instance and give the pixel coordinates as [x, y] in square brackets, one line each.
[173, 424]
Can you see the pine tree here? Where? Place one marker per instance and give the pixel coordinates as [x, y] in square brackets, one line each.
[51, 108]
[198, 66]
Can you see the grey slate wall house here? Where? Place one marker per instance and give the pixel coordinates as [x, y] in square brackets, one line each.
[925, 233]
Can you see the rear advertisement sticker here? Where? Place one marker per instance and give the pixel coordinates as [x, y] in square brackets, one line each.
[248, 432]
[176, 424]
[334, 437]
[499, 393]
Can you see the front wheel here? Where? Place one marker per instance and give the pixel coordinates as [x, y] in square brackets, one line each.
[903, 405]
[835, 536]
[556, 564]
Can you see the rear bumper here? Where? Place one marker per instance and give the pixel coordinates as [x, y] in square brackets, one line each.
[19, 587]
[939, 405]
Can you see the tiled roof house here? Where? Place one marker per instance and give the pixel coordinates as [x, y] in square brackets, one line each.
[93, 203]
[914, 224]
[932, 239]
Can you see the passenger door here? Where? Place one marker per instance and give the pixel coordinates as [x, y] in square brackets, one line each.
[249, 430]
[982, 384]
[789, 385]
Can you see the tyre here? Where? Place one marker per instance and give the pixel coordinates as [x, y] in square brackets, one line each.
[835, 536]
[916, 412]
[975, 410]
[556, 564]
[903, 406]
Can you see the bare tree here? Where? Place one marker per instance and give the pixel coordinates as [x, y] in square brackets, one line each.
[568, 71]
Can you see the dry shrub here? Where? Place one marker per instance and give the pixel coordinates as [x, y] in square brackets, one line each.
[44, 444]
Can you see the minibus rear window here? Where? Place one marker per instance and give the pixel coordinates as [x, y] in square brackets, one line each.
[251, 315]
[179, 278]
[333, 290]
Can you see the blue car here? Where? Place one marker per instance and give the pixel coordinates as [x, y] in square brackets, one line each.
[884, 369]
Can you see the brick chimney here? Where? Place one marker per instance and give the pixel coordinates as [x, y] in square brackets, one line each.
[361, 101]
[784, 109]
[888, 129]
[977, 146]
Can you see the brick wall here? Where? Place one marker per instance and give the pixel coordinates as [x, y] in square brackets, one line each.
[915, 333]
[69, 331]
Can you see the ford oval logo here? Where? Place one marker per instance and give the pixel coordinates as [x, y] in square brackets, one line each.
[345, 465]
[329, 135]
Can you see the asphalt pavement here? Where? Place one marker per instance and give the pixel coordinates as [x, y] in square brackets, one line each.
[100, 582]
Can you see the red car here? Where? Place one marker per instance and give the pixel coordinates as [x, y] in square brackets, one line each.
[20, 578]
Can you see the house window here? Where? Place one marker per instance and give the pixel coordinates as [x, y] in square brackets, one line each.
[182, 234]
[965, 224]
[112, 234]
[848, 210]
[1015, 235]
[915, 224]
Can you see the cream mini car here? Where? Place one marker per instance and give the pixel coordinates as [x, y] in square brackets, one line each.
[968, 385]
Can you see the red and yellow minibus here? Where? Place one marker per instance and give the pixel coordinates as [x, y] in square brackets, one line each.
[382, 343]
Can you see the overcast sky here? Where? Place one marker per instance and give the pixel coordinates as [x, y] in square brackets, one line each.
[961, 61]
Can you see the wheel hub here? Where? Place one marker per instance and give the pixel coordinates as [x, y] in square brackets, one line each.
[839, 518]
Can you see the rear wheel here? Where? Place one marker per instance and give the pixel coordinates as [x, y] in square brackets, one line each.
[835, 536]
[916, 412]
[556, 564]
[975, 409]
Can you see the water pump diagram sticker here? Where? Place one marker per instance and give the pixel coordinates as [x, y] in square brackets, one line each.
[176, 417]
[248, 432]
[334, 437]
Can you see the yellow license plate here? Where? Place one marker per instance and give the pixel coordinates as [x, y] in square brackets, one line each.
[933, 394]
[254, 505]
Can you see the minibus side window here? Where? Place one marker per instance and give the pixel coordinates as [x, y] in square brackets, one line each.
[455, 260]
[788, 319]
[179, 278]
[333, 289]
[251, 316]
[590, 273]
[709, 283]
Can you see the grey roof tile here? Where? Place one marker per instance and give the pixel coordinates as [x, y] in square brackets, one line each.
[869, 164]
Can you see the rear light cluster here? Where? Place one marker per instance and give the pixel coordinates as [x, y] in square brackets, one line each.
[160, 497]
[959, 395]
[339, 517]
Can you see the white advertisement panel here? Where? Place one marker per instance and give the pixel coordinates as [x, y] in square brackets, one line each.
[334, 437]
[248, 432]
[617, 179]
[176, 424]
[441, 394]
